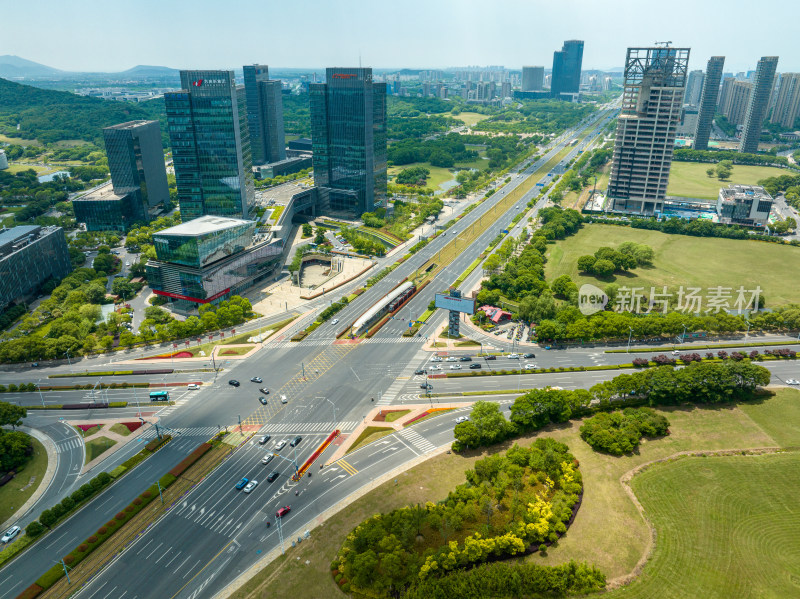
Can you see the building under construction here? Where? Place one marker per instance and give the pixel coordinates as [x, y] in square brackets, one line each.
[655, 79]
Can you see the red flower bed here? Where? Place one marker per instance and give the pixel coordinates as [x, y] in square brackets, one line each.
[190, 459]
[415, 418]
[132, 426]
[86, 427]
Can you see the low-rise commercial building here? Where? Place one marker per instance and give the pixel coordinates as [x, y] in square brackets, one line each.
[102, 209]
[29, 255]
[282, 167]
[744, 205]
[210, 258]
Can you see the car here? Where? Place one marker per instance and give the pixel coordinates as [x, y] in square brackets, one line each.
[452, 359]
[192, 386]
[263, 400]
[283, 399]
[490, 357]
[513, 356]
[420, 371]
[256, 379]
[296, 441]
[10, 534]
[455, 367]
[436, 359]
[475, 366]
[127, 264]
[234, 382]
[280, 445]
[250, 486]
[526, 356]
[426, 386]
[531, 366]
[461, 419]
[283, 511]
[335, 321]
[267, 459]
[272, 475]
[675, 352]
[465, 359]
[792, 382]
[498, 332]
[264, 390]
[436, 368]
[263, 439]
[242, 483]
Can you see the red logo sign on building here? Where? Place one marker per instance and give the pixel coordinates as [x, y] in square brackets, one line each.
[198, 83]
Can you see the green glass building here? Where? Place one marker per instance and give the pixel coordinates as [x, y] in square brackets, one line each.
[348, 131]
[207, 125]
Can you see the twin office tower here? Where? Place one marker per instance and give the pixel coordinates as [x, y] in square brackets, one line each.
[218, 130]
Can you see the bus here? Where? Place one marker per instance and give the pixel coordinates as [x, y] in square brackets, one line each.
[159, 396]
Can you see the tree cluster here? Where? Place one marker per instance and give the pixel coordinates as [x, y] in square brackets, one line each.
[606, 261]
[715, 156]
[788, 184]
[416, 176]
[15, 446]
[536, 116]
[363, 243]
[620, 432]
[508, 503]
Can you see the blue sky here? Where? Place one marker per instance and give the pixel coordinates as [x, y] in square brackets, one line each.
[111, 35]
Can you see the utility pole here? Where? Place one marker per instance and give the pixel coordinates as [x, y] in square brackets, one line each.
[240, 422]
[38, 386]
[159, 492]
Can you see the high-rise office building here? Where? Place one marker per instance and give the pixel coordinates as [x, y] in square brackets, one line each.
[787, 101]
[655, 79]
[532, 79]
[694, 86]
[763, 83]
[725, 92]
[738, 101]
[264, 114]
[567, 68]
[708, 101]
[29, 255]
[210, 141]
[348, 130]
[136, 160]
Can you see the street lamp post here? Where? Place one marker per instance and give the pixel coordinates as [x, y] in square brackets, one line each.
[38, 386]
[69, 361]
[629, 340]
[683, 337]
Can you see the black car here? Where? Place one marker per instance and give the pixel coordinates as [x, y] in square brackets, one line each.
[272, 476]
[296, 441]
[264, 390]
[234, 382]
[420, 371]
[475, 366]
[426, 386]
[465, 359]
[528, 355]
[263, 400]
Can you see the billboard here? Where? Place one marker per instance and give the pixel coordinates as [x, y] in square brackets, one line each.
[457, 304]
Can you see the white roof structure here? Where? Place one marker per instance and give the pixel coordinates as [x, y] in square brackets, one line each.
[202, 225]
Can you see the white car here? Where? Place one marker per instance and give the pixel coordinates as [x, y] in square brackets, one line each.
[531, 366]
[513, 356]
[436, 359]
[192, 386]
[792, 382]
[452, 359]
[435, 368]
[250, 486]
[461, 419]
[10, 534]
[335, 321]
[455, 367]
[675, 353]
[280, 445]
[283, 399]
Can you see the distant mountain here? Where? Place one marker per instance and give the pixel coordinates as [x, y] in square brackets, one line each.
[14, 66]
[150, 71]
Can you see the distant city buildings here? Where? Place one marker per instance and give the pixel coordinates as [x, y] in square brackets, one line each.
[787, 102]
[763, 83]
[29, 255]
[708, 101]
[207, 122]
[567, 69]
[209, 259]
[264, 114]
[737, 102]
[532, 79]
[138, 179]
[348, 130]
[694, 87]
[654, 84]
[748, 205]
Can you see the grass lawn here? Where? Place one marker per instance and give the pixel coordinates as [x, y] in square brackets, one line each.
[120, 429]
[470, 118]
[727, 527]
[89, 431]
[608, 530]
[40, 170]
[689, 179]
[438, 174]
[689, 261]
[392, 416]
[97, 446]
[370, 434]
[19, 141]
[234, 351]
[16, 492]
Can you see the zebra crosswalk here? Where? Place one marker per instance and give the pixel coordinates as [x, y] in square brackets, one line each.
[329, 341]
[390, 395]
[308, 427]
[418, 441]
[68, 445]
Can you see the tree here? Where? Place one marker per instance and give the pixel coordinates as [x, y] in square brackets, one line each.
[11, 414]
[307, 230]
[603, 268]
[14, 449]
[562, 285]
[122, 287]
[724, 170]
[586, 263]
[710, 171]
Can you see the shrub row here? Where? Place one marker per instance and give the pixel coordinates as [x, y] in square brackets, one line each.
[184, 465]
[155, 444]
[69, 504]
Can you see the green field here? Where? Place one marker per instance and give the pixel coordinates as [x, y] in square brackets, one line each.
[438, 174]
[689, 261]
[689, 179]
[471, 118]
[727, 527]
[12, 495]
[98, 446]
[17, 167]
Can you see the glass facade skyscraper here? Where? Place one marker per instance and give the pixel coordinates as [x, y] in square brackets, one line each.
[264, 114]
[210, 145]
[567, 62]
[708, 101]
[348, 131]
[136, 160]
[763, 84]
[203, 240]
[105, 210]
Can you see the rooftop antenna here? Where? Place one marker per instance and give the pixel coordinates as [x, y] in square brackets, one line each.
[663, 44]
